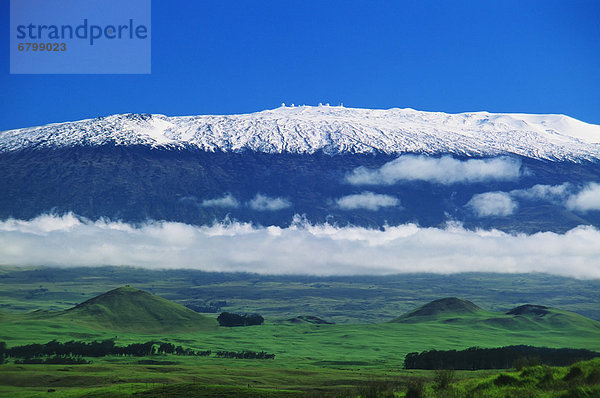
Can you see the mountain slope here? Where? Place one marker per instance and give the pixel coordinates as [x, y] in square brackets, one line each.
[332, 130]
[133, 310]
[135, 184]
[205, 169]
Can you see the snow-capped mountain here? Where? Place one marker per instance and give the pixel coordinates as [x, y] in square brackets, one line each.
[331, 130]
[515, 172]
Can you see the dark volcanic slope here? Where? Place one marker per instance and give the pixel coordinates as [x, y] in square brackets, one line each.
[137, 183]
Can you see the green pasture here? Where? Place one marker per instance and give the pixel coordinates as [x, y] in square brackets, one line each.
[352, 299]
[377, 323]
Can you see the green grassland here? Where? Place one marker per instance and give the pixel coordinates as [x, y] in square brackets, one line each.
[230, 379]
[357, 299]
[342, 359]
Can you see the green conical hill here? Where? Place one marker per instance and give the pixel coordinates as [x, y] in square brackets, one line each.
[526, 317]
[133, 310]
[446, 307]
[551, 317]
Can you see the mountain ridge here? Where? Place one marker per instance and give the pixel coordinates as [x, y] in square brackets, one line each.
[331, 130]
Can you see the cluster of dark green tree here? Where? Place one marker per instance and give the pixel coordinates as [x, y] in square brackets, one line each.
[55, 360]
[168, 348]
[495, 358]
[245, 355]
[229, 319]
[94, 349]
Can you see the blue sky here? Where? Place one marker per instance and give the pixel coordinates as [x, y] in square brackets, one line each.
[220, 57]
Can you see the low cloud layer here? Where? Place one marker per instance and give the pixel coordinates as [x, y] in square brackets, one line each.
[265, 203]
[301, 248]
[445, 170]
[492, 204]
[367, 200]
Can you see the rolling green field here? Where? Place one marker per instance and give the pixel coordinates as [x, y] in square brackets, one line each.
[342, 359]
[357, 299]
[229, 380]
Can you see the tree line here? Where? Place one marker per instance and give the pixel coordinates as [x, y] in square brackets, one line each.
[245, 355]
[496, 358]
[79, 349]
[55, 360]
[169, 348]
[71, 351]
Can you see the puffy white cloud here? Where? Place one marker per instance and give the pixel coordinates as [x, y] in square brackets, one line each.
[504, 204]
[492, 204]
[299, 249]
[367, 200]
[264, 203]
[585, 200]
[226, 201]
[445, 170]
[551, 193]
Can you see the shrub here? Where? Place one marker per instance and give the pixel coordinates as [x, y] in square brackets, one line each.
[377, 389]
[506, 380]
[416, 389]
[574, 373]
[576, 392]
[443, 378]
[593, 377]
[530, 371]
[547, 381]
[527, 361]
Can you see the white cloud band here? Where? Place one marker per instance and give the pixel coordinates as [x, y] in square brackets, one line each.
[300, 249]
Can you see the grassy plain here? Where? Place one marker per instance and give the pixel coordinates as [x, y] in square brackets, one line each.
[193, 378]
[357, 299]
[352, 358]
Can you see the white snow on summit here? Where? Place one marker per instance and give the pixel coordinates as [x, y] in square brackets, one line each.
[330, 129]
